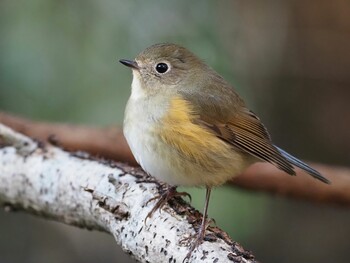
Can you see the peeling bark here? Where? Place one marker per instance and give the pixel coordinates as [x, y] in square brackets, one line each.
[102, 195]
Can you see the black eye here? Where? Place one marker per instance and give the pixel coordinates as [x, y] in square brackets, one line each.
[162, 67]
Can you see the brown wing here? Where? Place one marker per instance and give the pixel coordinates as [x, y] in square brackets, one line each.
[245, 131]
[224, 112]
[221, 109]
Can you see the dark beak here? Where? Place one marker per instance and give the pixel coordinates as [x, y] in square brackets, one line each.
[129, 63]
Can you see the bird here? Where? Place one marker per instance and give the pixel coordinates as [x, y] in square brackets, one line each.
[187, 126]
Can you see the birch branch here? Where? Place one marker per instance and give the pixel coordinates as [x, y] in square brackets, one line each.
[101, 195]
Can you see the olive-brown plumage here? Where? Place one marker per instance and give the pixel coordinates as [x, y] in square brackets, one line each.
[187, 126]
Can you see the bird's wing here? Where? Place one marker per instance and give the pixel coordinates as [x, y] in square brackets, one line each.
[244, 131]
[221, 110]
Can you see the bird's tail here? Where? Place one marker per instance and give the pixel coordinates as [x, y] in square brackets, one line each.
[296, 162]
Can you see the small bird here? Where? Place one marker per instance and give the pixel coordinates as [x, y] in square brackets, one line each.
[187, 126]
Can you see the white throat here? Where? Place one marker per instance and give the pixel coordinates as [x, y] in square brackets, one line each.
[137, 91]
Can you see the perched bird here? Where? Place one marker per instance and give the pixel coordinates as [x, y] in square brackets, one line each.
[187, 126]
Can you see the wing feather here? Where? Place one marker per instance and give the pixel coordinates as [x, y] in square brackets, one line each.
[247, 133]
[259, 147]
[222, 111]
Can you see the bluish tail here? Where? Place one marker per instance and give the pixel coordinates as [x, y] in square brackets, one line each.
[296, 162]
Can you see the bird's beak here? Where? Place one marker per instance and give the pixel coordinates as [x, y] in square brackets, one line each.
[129, 63]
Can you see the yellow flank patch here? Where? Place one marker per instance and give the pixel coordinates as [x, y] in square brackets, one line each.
[192, 141]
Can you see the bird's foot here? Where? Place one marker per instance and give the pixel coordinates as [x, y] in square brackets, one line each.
[200, 234]
[198, 237]
[166, 193]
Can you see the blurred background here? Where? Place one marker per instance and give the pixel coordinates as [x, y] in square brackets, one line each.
[290, 60]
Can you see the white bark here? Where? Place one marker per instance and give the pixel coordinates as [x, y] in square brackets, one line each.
[78, 190]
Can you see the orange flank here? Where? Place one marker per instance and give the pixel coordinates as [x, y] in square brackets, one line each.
[194, 142]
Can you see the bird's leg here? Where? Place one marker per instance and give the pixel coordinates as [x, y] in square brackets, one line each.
[166, 194]
[201, 232]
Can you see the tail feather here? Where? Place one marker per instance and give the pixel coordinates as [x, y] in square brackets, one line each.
[296, 162]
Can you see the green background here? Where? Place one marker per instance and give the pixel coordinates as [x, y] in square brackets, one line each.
[288, 59]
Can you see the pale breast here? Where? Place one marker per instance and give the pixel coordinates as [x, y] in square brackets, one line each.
[174, 150]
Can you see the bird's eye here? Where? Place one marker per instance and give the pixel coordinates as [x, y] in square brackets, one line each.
[162, 68]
